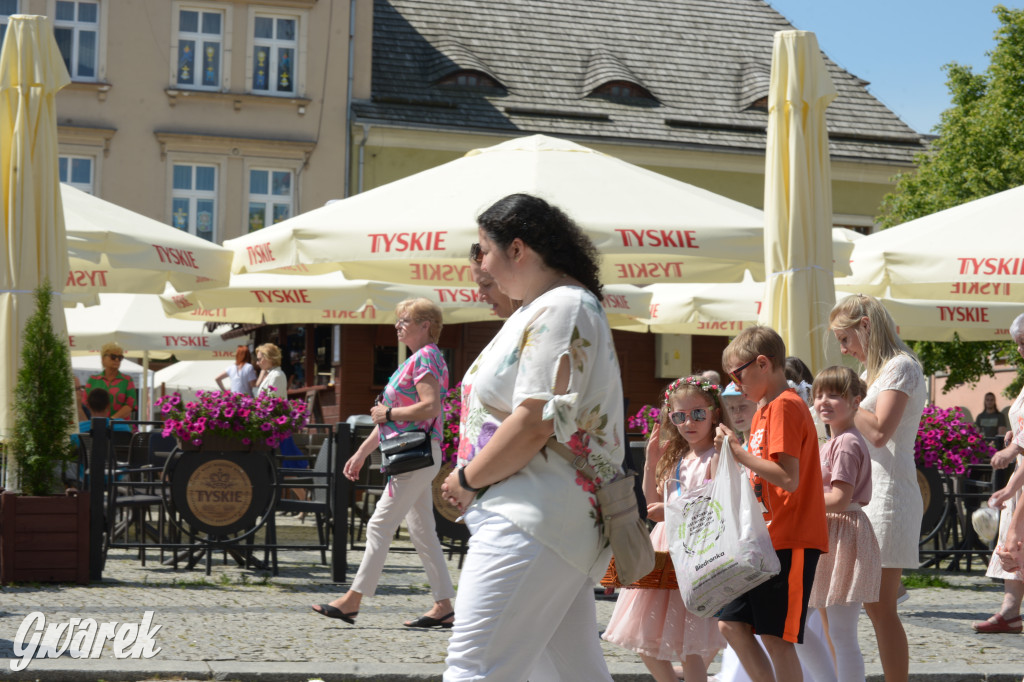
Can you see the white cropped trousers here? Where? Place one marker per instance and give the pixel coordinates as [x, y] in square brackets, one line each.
[522, 611]
[407, 496]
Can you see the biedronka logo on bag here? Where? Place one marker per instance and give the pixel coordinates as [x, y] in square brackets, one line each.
[702, 525]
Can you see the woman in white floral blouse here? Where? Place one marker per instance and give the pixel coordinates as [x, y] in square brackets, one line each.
[525, 606]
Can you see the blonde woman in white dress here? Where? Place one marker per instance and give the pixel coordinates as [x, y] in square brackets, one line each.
[888, 419]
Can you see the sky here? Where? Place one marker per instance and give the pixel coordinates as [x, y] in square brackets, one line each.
[900, 46]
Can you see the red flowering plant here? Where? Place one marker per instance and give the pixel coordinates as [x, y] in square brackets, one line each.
[451, 408]
[644, 420]
[263, 420]
[948, 442]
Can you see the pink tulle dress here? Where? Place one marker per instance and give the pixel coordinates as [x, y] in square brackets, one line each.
[654, 622]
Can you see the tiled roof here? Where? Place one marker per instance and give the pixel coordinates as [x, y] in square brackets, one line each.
[706, 62]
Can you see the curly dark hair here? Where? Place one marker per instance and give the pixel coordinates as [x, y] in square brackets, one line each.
[547, 230]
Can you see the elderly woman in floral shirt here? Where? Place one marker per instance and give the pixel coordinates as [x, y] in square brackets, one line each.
[525, 604]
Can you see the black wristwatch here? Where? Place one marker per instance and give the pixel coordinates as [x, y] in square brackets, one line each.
[387, 414]
[465, 485]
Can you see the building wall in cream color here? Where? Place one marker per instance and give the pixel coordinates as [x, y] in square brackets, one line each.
[134, 121]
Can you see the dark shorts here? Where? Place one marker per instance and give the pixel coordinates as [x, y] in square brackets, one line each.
[778, 606]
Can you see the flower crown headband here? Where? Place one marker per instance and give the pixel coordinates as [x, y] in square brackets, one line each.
[698, 382]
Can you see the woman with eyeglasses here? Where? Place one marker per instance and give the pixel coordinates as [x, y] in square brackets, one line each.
[548, 385]
[411, 400]
[119, 386]
[888, 418]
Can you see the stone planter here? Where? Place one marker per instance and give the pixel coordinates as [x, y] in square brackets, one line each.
[44, 539]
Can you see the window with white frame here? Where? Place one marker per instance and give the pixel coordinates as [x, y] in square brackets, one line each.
[270, 197]
[7, 8]
[77, 171]
[194, 199]
[200, 48]
[275, 53]
[76, 26]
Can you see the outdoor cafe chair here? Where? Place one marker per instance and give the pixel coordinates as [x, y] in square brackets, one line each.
[319, 485]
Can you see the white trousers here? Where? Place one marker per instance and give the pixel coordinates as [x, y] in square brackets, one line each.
[407, 496]
[522, 611]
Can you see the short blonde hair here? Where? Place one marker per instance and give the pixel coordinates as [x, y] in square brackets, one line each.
[111, 347]
[272, 352]
[423, 310]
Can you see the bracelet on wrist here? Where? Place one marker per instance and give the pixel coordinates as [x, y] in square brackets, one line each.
[464, 483]
[387, 414]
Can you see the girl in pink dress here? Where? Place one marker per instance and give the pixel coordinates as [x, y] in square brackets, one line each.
[849, 574]
[653, 622]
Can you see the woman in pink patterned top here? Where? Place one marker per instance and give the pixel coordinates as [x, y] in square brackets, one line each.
[411, 400]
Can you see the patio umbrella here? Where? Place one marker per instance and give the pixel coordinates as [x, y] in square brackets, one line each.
[964, 253]
[725, 309]
[330, 298]
[137, 322]
[708, 309]
[189, 376]
[799, 291]
[34, 244]
[114, 250]
[418, 230]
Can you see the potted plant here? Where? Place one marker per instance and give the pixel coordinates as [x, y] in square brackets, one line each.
[44, 536]
[947, 443]
[231, 421]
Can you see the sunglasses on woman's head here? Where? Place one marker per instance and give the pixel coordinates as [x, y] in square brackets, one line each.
[698, 415]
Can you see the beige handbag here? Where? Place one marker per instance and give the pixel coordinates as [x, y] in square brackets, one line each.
[620, 519]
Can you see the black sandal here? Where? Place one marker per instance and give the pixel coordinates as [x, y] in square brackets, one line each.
[428, 622]
[334, 612]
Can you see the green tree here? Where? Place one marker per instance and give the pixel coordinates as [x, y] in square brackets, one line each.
[44, 406]
[979, 151]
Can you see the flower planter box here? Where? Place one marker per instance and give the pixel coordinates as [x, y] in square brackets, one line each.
[216, 443]
[44, 539]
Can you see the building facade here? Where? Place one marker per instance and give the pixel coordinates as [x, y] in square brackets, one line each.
[215, 117]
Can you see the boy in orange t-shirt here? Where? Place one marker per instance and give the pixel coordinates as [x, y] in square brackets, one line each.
[785, 473]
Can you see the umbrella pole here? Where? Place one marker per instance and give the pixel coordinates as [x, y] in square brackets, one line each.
[144, 402]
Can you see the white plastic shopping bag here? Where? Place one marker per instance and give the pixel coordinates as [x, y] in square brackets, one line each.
[718, 540]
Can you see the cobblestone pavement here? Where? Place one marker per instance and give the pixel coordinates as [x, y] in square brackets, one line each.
[241, 624]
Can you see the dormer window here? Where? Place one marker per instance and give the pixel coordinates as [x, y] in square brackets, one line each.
[468, 78]
[623, 89]
[759, 104]
[609, 77]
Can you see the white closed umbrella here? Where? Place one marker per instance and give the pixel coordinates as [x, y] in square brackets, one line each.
[33, 246]
[798, 254]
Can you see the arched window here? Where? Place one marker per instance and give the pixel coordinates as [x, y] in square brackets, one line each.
[468, 78]
[623, 90]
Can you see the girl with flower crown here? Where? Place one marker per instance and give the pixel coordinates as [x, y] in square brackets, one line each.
[653, 622]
